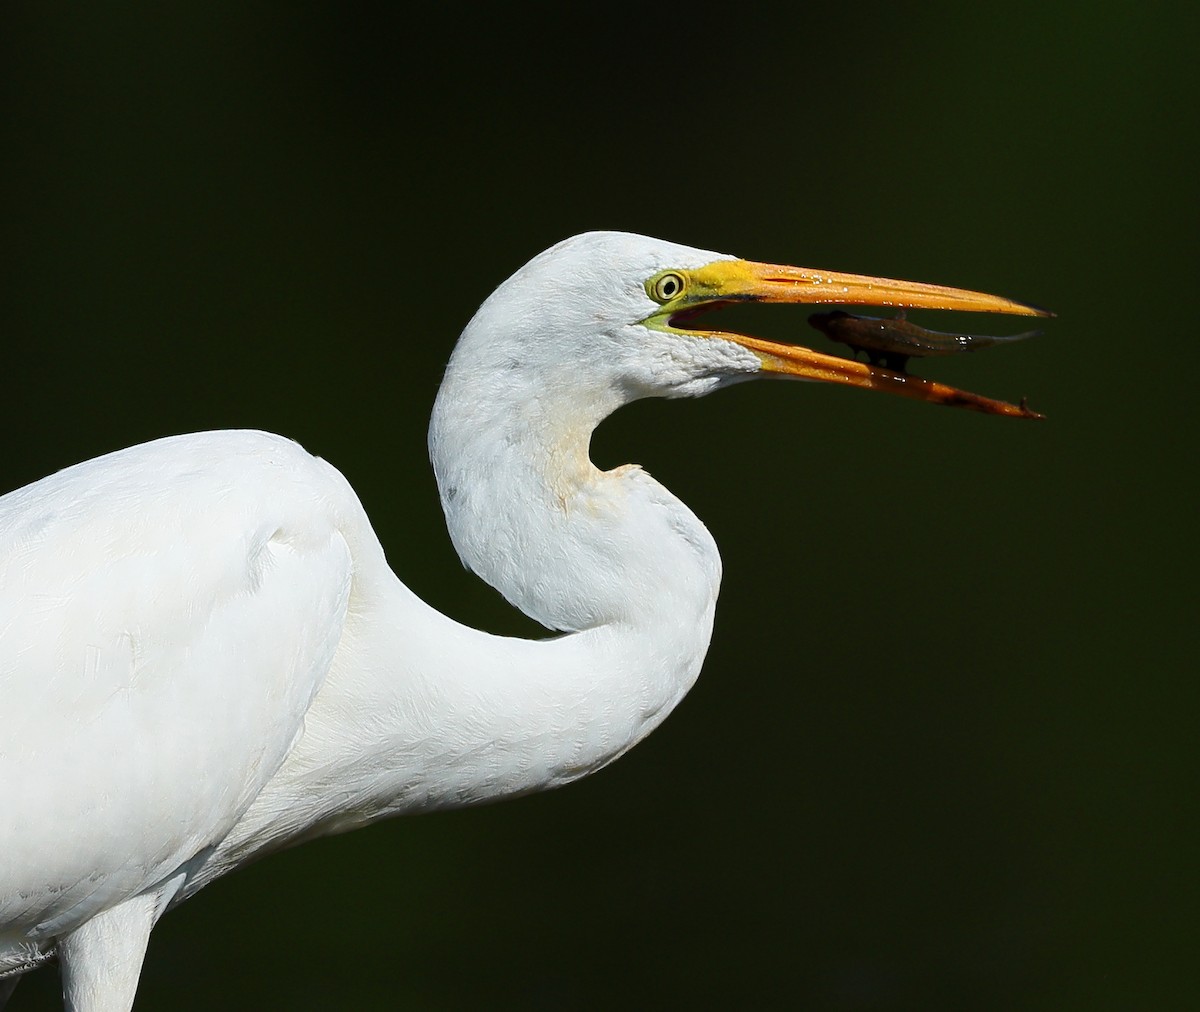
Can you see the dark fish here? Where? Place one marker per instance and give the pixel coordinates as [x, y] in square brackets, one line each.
[892, 342]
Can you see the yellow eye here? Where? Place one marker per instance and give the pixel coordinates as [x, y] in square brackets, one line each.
[665, 287]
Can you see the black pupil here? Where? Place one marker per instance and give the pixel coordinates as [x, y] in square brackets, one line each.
[669, 287]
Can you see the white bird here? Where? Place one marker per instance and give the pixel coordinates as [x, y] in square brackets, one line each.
[204, 655]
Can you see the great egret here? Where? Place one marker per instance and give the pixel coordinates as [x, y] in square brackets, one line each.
[204, 655]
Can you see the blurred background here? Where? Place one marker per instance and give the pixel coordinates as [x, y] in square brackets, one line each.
[942, 754]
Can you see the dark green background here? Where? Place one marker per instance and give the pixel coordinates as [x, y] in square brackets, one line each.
[943, 751]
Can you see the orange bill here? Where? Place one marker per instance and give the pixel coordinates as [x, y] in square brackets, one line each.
[684, 293]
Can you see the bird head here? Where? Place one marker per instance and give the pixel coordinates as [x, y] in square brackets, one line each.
[621, 313]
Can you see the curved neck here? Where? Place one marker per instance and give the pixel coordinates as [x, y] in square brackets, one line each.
[610, 556]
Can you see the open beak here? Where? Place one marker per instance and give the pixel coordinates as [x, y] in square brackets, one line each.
[728, 281]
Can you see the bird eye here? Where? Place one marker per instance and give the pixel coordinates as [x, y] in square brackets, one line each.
[666, 286]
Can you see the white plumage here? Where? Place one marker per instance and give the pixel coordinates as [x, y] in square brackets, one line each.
[204, 655]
